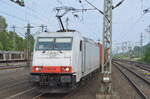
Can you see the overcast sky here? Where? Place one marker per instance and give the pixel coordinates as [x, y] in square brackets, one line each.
[128, 21]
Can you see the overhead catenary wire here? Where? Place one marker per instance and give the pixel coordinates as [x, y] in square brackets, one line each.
[16, 17]
[33, 15]
[94, 6]
[36, 13]
[143, 12]
[59, 2]
[135, 23]
[43, 12]
[27, 7]
[131, 27]
[43, 15]
[142, 7]
[95, 35]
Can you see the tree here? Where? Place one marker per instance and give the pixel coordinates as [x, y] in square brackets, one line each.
[1, 46]
[147, 55]
[3, 24]
[4, 39]
[137, 50]
[7, 39]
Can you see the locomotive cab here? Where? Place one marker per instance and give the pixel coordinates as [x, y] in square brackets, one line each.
[52, 66]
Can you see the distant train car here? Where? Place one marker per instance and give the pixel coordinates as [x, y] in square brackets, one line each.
[11, 56]
[62, 59]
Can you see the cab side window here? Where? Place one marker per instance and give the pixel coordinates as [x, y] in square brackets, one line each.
[81, 45]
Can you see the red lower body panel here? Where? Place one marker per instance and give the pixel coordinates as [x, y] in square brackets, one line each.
[51, 69]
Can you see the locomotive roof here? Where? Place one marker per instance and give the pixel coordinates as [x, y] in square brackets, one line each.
[55, 34]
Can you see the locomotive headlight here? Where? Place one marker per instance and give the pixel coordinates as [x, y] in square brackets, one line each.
[67, 69]
[37, 69]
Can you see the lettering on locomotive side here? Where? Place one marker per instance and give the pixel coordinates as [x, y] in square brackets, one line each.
[53, 54]
[51, 68]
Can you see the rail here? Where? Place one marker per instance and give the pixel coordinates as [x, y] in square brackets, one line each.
[144, 66]
[11, 61]
[124, 70]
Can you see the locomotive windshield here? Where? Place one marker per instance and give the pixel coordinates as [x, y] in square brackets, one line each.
[57, 43]
[63, 44]
[45, 44]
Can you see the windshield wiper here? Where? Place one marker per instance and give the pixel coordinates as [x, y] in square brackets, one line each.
[44, 50]
[60, 51]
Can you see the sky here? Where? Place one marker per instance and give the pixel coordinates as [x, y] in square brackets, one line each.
[128, 20]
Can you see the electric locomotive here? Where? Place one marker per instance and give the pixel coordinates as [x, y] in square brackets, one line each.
[62, 59]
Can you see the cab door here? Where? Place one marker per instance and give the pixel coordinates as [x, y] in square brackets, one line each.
[82, 51]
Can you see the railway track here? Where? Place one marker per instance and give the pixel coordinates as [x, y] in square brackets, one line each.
[12, 84]
[13, 81]
[33, 93]
[24, 94]
[135, 72]
[140, 84]
[12, 87]
[11, 67]
[51, 96]
[58, 96]
[141, 65]
[11, 90]
[11, 61]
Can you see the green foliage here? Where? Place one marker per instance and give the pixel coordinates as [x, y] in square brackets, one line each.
[3, 24]
[147, 55]
[7, 39]
[1, 46]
